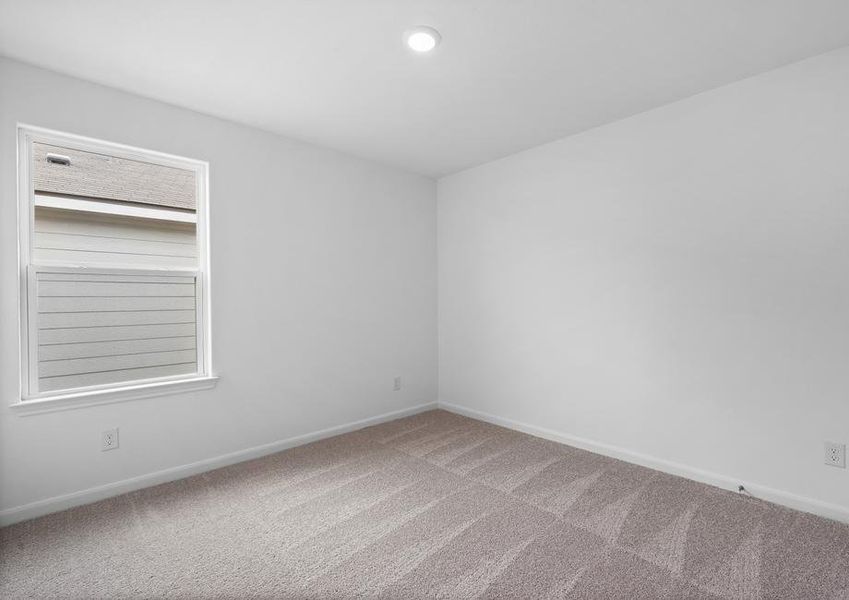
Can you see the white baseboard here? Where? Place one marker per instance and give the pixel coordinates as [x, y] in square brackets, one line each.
[87, 496]
[810, 505]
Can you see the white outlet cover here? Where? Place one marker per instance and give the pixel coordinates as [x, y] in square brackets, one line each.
[109, 440]
[397, 385]
[835, 455]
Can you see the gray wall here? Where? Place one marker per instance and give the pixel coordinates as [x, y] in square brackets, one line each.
[323, 290]
[674, 286]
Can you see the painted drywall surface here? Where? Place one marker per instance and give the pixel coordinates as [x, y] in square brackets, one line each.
[675, 284]
[323, 290]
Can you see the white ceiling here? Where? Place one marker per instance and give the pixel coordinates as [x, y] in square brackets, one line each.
[509, 74]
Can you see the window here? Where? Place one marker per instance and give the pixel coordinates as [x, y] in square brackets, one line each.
[114, 270]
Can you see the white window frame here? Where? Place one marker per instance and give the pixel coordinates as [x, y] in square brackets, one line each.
[29, 400]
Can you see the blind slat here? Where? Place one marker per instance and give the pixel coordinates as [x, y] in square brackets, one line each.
[112, 289]
[107, 304]
[78, 366]
[128, 375]
[105, 334]
[68, 320]
[117, 348]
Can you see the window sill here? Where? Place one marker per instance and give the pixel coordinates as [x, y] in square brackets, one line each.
[84, 399]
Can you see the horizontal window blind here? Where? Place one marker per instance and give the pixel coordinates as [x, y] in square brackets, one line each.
[99, 327]
[114, 253]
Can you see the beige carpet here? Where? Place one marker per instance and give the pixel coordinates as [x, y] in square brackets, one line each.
[432, 506]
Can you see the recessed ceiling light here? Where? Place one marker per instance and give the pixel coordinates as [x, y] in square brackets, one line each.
[423, 38]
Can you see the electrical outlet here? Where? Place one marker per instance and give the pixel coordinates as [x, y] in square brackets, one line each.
[835, 455]
[109, 440]
[397, 385]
